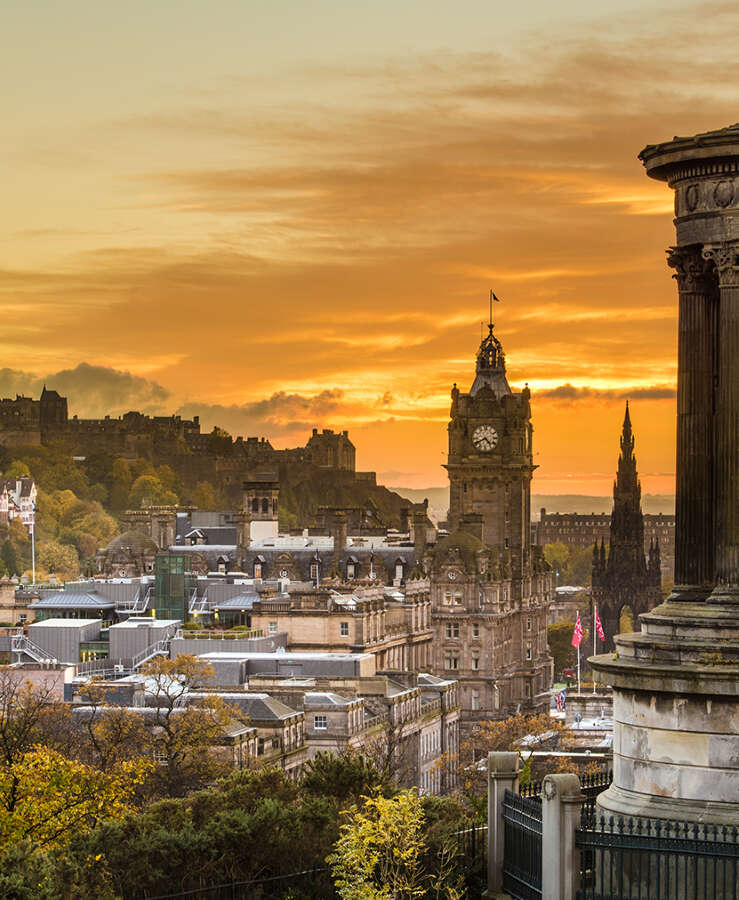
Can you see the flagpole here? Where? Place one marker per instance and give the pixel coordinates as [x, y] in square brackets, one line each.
[595, 652]
[578, 658]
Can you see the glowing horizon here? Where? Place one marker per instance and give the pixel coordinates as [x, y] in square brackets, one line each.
[285, 218]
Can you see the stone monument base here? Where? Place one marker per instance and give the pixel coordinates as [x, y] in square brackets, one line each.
[676, 715]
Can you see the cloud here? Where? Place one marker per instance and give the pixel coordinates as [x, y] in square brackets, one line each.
[92, 391]
[352, 243]
[569, 394]
[280, 415]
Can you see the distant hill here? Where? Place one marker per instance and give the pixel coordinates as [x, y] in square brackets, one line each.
[438, 498]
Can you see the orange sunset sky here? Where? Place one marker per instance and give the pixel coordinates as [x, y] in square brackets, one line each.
[289, 215]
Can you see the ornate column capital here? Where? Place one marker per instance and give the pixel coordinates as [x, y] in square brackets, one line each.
[724, 256]
[694, 271]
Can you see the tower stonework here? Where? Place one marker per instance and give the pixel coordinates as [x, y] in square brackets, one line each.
[490, 589]
[626, 577]
[490, 459]
[676, 682]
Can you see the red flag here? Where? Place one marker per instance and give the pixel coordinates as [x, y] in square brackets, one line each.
[599, 626]
[577, 634]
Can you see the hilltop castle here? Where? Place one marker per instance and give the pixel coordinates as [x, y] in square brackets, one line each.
[179, 442]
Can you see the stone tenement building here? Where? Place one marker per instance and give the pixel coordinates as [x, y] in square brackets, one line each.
[490, 588]
[580, 531]
[624, 578]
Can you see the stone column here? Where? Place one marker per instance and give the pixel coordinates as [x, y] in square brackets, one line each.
[561, 799]
[502, 774]
[726, 495]
[694, 490]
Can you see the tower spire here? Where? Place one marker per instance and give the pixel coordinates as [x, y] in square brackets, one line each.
[490, 368]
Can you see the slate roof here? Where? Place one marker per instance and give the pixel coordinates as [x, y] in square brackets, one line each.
[326, 697]
[240, 601]
[259, 707]
[72, 600]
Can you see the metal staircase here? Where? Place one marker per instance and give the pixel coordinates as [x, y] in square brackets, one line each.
[158, 648]
[140, 602]
[20, 644]
[199, 604]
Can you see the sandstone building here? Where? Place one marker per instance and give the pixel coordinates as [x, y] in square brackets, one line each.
[490, 588]
[578, 531]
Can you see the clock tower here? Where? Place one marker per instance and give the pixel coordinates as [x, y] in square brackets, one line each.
[490, 458]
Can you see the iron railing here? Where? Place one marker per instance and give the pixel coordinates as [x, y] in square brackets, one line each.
[311, 883]
[635, 858]
[472, 854]
[522, 846]
[591, 786]
[531, 789]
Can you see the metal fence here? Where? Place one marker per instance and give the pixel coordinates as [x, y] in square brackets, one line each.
[650, 859]
[591, 786]
[472, 855]
[472, 844]
[522, 839]
[311, 884]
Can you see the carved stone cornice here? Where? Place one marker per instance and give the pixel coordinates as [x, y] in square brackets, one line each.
[725, 256]
[694, 272]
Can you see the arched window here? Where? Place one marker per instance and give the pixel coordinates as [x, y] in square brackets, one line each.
[265, 505]
[255, 505]
[257, 570]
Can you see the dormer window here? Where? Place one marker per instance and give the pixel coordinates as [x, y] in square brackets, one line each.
[257, 570]
[350, 570]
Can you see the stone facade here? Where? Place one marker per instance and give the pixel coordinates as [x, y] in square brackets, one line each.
[490, 588]
[676, 683]
[578, 531]
[625, 577]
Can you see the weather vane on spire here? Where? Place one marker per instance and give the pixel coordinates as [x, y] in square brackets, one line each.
[497, 300]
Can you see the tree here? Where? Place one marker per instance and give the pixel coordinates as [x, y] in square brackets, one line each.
[120, 484]
[56, 797]
[204, 497]
[10, 558]
[381, 853]
[148, 490]
[58, 558]
[220, 442]
[580, 567]
[186, 735]
[344, 778]
[518, 732]
[19, 468]
[557, 554]
[391, 750]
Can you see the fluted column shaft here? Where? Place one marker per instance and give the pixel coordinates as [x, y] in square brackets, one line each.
[696, 402]
[726, 499]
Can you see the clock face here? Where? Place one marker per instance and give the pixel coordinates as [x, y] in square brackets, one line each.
[485, 438]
